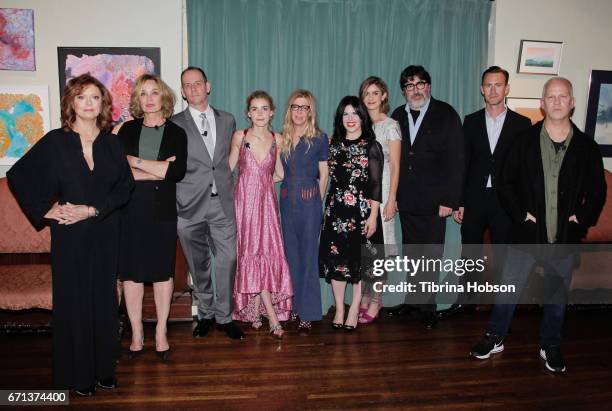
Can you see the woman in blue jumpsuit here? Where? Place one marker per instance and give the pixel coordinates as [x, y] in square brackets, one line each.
[304, 158]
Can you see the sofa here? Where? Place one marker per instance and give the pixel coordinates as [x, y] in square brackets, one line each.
[25, 270]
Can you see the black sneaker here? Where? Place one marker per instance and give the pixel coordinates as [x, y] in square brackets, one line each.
[490, 344]
[554, 360]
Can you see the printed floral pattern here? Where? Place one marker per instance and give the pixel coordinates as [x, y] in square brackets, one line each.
[346, 211]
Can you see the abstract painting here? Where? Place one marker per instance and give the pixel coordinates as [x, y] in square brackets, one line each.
[17, 39]
[115, 67]
[539, 57]
[599, 110]
[24, 119]
[528, 107]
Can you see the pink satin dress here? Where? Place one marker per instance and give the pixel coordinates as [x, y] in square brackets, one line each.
[261, 261]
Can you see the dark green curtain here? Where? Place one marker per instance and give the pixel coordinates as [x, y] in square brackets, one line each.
[330, 46]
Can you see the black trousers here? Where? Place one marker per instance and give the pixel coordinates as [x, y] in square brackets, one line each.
[423, 237]
[483, 214]
[486, 213]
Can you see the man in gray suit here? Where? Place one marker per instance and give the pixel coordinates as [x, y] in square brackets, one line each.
[206, 215]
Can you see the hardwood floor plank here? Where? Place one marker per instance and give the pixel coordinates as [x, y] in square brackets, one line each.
[390, 364]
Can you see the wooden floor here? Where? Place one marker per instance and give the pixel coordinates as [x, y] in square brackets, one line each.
[391, 364]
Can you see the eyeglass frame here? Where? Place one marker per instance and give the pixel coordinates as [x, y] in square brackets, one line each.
[419, 85]
[297, 107]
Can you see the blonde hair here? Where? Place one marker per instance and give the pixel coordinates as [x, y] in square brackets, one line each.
[561, 79]
[167, 96]
[312, 129]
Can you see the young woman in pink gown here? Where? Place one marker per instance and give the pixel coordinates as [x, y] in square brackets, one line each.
[263, 284]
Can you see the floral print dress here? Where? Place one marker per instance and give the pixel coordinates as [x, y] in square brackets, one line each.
[355, 174]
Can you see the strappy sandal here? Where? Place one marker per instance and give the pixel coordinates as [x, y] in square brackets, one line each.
[277, 331]
[257, 323]
[366, 318]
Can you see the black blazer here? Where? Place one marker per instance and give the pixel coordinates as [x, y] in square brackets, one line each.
[479, 161]
[174, 143]
[431, 170]
[581, 188]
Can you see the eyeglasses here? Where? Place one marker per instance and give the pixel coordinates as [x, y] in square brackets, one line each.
[295, 107]
[419, 86]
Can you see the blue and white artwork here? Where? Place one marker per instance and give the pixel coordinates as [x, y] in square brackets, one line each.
[603, 125]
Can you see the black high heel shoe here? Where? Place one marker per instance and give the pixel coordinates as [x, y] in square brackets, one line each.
[86, 392]
[163, 355]
[136, 353]
[108, 383]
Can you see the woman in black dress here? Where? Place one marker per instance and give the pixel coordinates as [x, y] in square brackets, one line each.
[75, 179]
[156, 150]
[351, 218]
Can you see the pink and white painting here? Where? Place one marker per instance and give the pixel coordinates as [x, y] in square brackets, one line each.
[17, 39]
[116, 68]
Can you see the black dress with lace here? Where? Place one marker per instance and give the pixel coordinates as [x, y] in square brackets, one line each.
[355, 174]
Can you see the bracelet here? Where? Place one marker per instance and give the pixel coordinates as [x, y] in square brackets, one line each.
[96, 213]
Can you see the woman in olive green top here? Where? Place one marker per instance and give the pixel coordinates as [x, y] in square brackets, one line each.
[156, 150]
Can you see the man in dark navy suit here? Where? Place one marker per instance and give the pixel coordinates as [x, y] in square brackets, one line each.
[488, 134]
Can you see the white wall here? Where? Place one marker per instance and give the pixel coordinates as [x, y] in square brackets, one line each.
[99, 23]
[584, 27]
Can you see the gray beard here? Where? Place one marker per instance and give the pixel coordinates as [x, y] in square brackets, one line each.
[417, 106]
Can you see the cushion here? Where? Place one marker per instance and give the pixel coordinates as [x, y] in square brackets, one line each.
[25, 286]
[16, 233]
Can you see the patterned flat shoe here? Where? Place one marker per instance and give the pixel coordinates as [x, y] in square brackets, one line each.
[304, 328]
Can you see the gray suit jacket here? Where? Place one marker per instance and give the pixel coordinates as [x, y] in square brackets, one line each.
[193, 192]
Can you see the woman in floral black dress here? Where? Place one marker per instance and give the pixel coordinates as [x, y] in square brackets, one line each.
[351, 216]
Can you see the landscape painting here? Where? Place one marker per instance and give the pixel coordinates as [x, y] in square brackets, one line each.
[539, 57]
[17, 39]
[599, 110]
[115, 67]
[24, 119]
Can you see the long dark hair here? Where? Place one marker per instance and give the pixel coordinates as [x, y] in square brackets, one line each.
[366, 124]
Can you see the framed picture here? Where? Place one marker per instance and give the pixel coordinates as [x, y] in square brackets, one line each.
[539, 57]
[17, 39]
[115, 67]
[599, 110]
[527, 106]
[24, 119]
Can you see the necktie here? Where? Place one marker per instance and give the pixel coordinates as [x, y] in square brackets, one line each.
[209, 143]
